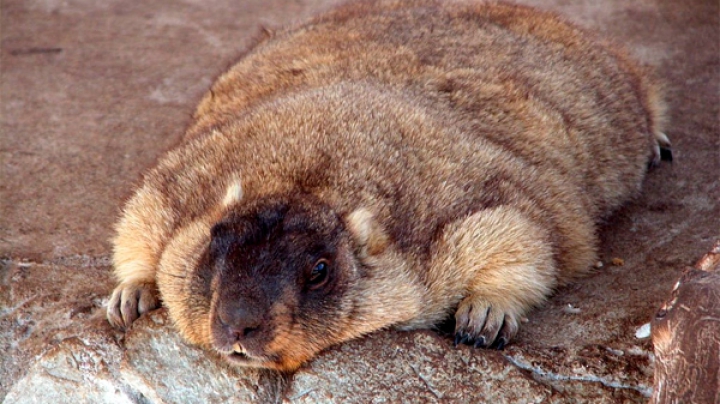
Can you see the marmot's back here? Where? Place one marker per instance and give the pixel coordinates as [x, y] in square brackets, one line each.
[523, 79]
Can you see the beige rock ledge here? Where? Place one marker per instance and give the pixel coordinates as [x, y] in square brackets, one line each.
[394, 367]
[151, 364]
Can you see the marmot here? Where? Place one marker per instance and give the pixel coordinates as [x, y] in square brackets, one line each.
[388, 163]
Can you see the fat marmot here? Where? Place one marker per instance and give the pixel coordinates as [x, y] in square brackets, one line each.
[389, 163]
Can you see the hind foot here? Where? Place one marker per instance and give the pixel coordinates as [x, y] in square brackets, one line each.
[662, 150]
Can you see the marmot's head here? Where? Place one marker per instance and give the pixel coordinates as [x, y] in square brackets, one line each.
[280, 272]
[278, 279]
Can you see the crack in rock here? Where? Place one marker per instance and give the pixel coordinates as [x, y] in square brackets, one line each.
[646, 391]
[427, 382]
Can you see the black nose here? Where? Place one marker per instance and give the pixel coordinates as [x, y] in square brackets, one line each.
[240, 321]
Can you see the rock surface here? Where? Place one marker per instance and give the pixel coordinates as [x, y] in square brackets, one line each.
[686, 337]
[94, 92]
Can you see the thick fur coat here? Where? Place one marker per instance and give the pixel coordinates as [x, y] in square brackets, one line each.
[389, 163]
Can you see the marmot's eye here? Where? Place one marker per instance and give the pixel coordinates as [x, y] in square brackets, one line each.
[319, 273]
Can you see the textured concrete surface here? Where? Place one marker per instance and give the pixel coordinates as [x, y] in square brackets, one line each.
[93, 92]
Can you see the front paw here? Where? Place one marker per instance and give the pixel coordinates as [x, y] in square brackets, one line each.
[483, 324]
[129, 301]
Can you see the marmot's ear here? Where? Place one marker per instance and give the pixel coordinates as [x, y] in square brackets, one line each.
[234, 192]
[367, 232]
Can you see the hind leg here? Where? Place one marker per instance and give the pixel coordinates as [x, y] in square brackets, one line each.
[498, 264]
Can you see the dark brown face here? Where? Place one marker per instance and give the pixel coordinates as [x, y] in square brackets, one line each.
[278, 272]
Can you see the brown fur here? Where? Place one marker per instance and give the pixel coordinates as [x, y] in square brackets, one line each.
[437, 156]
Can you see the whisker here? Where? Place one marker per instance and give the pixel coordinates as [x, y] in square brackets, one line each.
[172, 275]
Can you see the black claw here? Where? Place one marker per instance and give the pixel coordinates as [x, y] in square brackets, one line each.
[500, 344]
[480, 342]
[461, 338]
[666, 154]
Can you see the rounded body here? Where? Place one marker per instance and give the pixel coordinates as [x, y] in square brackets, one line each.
[388, 163]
